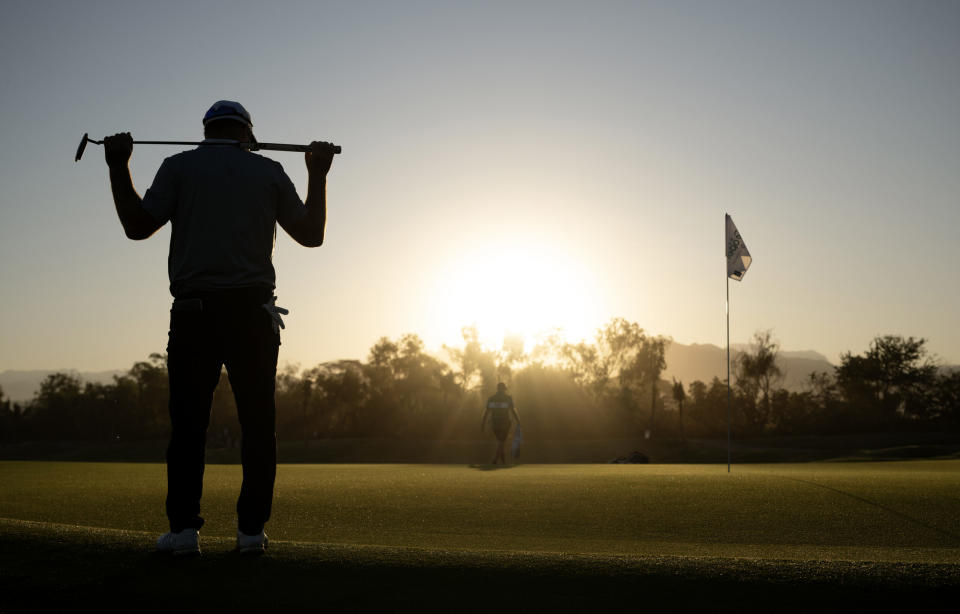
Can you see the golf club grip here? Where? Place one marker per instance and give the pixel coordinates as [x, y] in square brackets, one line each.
[287, 147]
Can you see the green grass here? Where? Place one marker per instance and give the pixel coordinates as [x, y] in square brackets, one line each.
[829, 527]
[865, 511]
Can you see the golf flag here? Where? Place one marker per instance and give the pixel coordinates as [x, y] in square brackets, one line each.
[738, 257]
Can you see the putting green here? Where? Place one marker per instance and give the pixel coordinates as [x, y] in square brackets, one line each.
[904, 511]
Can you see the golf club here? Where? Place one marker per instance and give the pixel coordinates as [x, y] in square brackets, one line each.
[250, 146]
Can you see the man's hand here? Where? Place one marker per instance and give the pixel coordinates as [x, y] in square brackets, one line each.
[117, 149]
[319, 158]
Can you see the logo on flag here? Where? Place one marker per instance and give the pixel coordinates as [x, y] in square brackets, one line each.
[738, 257]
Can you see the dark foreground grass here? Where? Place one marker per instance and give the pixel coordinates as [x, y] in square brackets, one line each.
[56, 567]
[48, 567]
[820, 537]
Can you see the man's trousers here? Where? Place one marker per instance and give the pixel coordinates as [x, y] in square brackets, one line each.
[208, 331]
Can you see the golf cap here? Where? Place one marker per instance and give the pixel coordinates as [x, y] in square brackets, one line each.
[228, 109]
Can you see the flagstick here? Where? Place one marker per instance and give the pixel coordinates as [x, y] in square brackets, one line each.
[728, 374]
[735, 248]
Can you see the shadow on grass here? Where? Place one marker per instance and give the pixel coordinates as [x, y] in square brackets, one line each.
[490, 467]
[945, 532]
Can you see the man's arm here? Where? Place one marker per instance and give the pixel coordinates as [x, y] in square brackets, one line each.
[308, 230]
[483, 422]
[137, 223]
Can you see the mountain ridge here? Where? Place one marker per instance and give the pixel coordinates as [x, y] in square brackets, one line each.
[704, 361]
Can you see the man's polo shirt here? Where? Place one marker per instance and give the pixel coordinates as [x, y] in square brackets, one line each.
[223, 204]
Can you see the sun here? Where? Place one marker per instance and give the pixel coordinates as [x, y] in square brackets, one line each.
[517, 289]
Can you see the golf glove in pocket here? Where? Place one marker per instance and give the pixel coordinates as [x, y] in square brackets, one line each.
[275, 312]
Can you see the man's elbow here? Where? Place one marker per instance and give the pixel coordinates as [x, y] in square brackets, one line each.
[132, 232]
[312, 240]
[138, 232]
[137, 235]
[137, 223]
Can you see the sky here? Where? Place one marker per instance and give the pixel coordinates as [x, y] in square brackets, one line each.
[519, 166]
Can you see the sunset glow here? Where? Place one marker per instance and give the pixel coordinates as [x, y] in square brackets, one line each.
[516, 289]
[517, 166]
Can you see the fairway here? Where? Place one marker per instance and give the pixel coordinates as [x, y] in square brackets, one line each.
[882, 512]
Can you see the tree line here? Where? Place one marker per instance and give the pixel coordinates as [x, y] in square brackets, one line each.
[896, 385]
[610, 386]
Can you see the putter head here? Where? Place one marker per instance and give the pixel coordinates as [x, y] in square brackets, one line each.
[83, 145]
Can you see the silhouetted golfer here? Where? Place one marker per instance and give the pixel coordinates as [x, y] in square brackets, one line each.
[223, 203]
[500, 408]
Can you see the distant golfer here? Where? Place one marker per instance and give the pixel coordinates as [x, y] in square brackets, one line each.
[223, 203]
[499, 409]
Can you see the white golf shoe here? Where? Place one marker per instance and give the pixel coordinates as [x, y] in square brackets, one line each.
[251, 544]
[186, 542]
